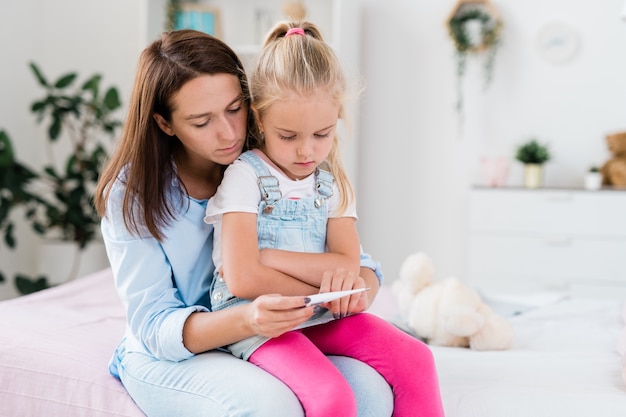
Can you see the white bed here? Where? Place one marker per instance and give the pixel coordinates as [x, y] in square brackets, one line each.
[565, 362]
[55, 345]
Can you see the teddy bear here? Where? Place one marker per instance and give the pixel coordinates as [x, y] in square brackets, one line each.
[614, 170]
[447, 312]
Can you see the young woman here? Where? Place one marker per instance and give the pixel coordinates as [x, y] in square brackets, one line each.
[291, 196]
[188, 118]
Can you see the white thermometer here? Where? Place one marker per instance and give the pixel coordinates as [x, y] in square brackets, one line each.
[333, 295]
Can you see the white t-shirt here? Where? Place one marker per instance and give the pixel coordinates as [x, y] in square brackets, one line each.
[239, 192]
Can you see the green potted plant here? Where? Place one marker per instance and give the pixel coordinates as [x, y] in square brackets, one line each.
[78, 119]
[14, 191]
[533, 155]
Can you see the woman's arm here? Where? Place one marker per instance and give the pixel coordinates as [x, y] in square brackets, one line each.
[271, 315]
[268, 315]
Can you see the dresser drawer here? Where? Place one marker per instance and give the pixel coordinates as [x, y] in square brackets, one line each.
[549, 261]
[528, 212]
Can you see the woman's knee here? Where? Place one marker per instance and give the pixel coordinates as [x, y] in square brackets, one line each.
[373, 394]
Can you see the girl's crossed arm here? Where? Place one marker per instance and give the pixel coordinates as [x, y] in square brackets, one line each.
[242, 269]
[343, 252]
[250, 273]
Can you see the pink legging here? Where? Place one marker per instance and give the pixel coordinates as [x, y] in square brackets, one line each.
[298, 359]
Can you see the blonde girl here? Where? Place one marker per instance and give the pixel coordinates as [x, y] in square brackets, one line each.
[287, 209]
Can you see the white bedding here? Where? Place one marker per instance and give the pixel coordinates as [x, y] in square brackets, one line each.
[564, 363]
[55, 345]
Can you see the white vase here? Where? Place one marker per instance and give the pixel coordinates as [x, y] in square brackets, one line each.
[533, 175]
[593, 180]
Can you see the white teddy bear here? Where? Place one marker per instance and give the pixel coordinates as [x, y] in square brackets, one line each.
[447, 312]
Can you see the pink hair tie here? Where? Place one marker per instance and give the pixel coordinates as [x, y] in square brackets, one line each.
[295, 31]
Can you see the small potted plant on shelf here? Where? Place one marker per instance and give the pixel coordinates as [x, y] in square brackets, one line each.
[593, 178]
[533, 155]
[58, 201]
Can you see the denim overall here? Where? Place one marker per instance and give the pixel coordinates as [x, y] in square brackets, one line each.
[282, 223]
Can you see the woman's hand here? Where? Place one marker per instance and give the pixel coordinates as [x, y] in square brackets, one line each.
[272, 315]
[268, 315]
[341, 280]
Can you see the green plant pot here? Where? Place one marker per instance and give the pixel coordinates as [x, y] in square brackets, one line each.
[533, 175]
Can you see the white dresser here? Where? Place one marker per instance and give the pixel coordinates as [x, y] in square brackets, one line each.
[523, 240]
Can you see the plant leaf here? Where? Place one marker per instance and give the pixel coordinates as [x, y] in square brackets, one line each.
[38, 106]
[42, 80]
[9, 238]
[55, 127]
[51, 171]
[93, 84]
[112, 99]
[65, 80]
[39, 228]
[26, 285]
[6, 150]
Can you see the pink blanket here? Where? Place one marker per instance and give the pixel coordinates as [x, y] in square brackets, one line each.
[54, 350]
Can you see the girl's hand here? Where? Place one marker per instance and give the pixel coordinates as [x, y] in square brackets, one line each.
[272, 315]
[340, 280]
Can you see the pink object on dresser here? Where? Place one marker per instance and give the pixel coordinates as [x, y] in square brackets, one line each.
[54, 349]
[495, 170]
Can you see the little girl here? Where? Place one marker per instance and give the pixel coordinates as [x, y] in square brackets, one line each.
[292, 194]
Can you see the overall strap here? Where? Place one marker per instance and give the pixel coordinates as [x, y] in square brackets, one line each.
[324, 183]
[268, 184]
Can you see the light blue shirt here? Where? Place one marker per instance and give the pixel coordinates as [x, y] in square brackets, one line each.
[161, 284]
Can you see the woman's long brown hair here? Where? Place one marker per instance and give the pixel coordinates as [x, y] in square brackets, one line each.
[143, 158]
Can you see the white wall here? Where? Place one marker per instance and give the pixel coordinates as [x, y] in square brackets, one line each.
[416, 167]
[86, 36]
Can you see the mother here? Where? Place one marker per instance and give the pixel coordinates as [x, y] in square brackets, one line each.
[188, 118]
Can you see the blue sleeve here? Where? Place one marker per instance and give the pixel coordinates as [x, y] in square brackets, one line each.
[368, 262]
[155, 311]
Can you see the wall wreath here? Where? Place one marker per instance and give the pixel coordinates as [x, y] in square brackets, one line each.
[475, 28]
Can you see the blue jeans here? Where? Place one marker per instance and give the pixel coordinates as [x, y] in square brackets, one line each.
[216, 384]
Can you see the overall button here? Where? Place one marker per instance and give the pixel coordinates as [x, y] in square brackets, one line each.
[217, 296]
